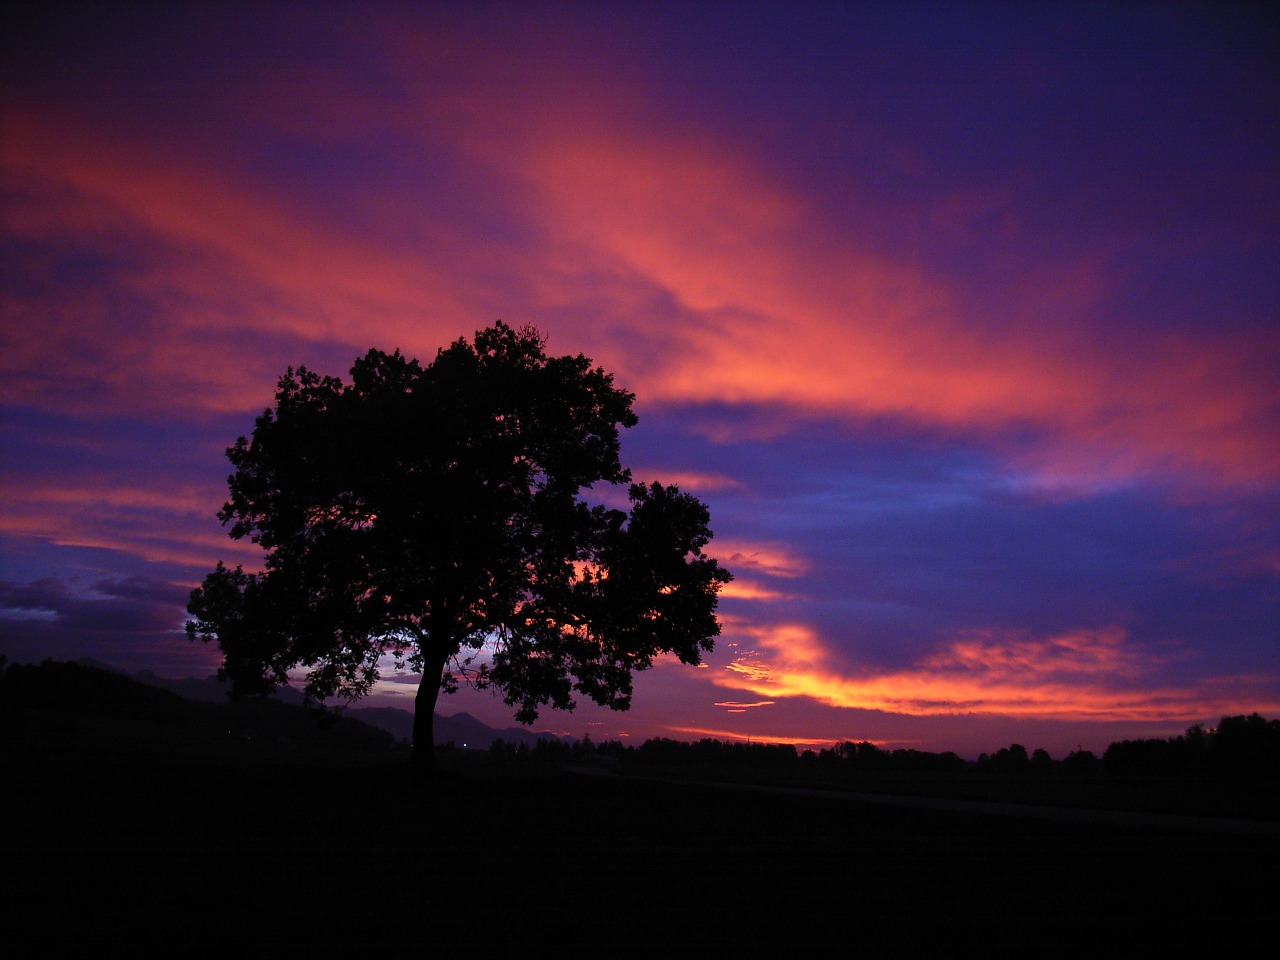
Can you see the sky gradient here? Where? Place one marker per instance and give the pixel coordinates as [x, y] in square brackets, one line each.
[962, 318]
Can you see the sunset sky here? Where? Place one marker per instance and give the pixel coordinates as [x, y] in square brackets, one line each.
[962, 318]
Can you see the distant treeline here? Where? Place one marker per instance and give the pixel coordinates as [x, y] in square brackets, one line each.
[1240, 746]
[1237, 746]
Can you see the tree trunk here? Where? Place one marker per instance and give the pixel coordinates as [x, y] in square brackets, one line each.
[424, 712]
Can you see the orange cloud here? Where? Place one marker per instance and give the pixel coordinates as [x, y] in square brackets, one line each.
[1085, 675]
[741, 589]
[736, 705]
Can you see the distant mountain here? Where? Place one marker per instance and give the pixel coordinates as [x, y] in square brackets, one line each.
[398, 723]
[460, 729]
[208, 690]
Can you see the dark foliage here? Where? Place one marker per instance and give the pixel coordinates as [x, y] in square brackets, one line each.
[1041, 763]
[1081, 763]
[436, 514]
[1011, 759]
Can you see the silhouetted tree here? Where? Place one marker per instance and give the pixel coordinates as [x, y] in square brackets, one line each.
[1041, 762]
[435, 514]
[1246, 746]
[1081, 763]
[1011, 759]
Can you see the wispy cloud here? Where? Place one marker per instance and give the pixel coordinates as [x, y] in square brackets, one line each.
[156, 525]
[766, 559]
[777, 303]
[203, 264]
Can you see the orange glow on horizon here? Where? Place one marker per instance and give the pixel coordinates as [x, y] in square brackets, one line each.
[738, 736]
[1077, 676]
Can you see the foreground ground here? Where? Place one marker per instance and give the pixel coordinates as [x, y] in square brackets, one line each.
[258, 852]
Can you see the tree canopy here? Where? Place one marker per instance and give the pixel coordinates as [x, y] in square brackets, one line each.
[436, 515]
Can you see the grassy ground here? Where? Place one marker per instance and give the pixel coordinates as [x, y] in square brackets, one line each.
[251, 851]
[1250, 800]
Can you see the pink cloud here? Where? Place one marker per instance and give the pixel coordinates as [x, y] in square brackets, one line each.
[213, 271]
[158, 525]
[778, 303]
[1086, 652]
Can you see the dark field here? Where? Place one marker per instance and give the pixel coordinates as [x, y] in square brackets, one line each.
[251, 852]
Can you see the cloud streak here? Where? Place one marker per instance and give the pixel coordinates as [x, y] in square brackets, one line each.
[784, 306]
